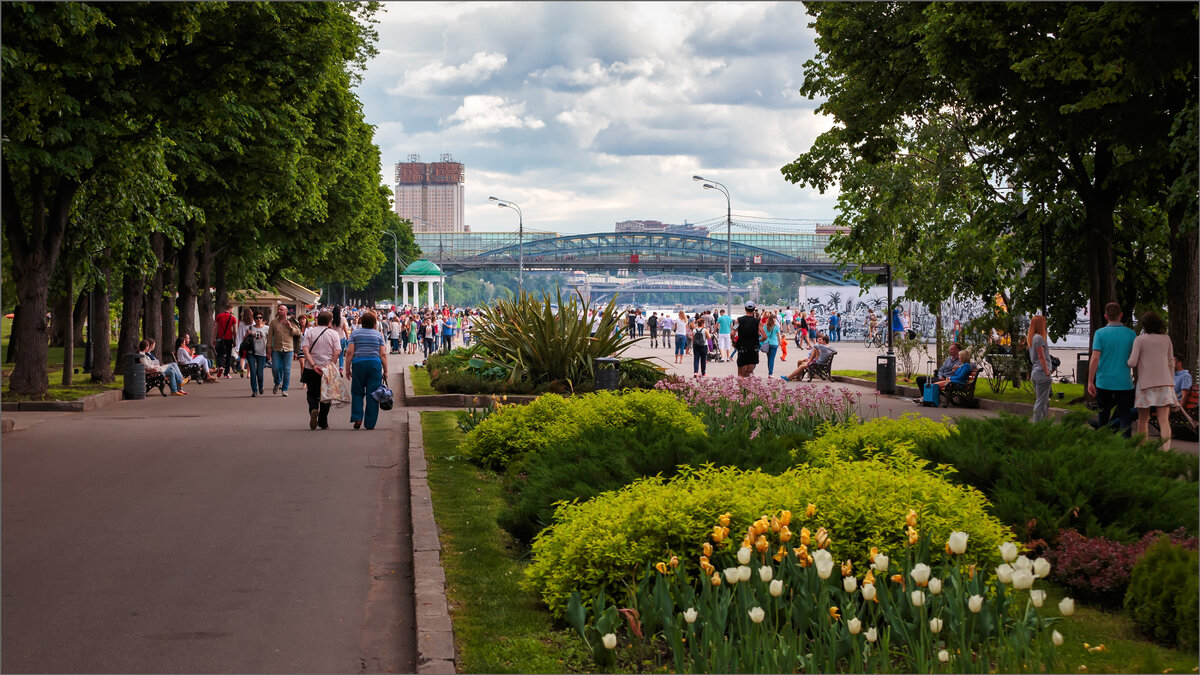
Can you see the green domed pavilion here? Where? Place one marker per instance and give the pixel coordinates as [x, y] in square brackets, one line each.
[424, 271]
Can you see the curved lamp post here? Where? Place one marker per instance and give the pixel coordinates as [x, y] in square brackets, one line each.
[714, 185]
[505, 204]
[395, 267]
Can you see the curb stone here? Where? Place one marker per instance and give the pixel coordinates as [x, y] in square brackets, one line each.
[984, 404]
[435, 631]
[82, 404]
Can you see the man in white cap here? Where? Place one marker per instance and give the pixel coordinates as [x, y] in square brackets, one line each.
[746, 336]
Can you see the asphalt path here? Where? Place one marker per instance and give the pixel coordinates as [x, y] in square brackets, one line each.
[205, 533]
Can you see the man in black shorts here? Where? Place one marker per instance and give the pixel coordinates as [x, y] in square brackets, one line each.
[746, 334]
[652, 324]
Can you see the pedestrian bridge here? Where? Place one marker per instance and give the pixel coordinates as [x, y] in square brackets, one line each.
[645, 251]
[667, 283]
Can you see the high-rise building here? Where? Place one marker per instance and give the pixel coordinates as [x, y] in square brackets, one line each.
[431, 194]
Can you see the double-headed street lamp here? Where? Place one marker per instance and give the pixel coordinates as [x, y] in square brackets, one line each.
[714, 185]
[505, 204]
[395, 267]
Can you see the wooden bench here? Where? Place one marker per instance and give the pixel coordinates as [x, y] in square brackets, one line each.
[823, 371]
[962, 395]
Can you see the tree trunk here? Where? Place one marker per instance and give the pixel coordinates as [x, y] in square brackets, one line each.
[11, 353]
[64, 319]
[152, 320]
[79, 315]
[102, 370]
[220, 285]
[167, 305]
[61, 304]
[205, 299]
[133, 291]
[186, 302]
[1183, 298]
[1102, 265]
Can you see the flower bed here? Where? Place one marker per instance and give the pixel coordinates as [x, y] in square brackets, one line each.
[764, 406]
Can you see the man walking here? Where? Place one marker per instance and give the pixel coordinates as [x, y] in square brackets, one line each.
[226, 324]
[279, 348]
[1109, 378]
[746, 339]
[724, 327]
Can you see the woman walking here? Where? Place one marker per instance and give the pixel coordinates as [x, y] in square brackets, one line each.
[771, 330]
[340, 327]
[245, 321]
[367, 354]
[700, 337]
[1039, 356]
[1154, 359]
[256, 361]
[681, 337]
[320, 346]
[410, 324]
[297, 340]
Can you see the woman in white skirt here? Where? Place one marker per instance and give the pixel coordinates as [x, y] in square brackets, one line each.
[1154, 360]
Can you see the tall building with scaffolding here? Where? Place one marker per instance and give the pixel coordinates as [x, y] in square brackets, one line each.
[431, 194]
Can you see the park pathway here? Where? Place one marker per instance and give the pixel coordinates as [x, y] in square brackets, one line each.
[208, 533]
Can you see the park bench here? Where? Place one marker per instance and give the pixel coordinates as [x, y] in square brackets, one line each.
[962, 395]
[823, 371]
[156, 381]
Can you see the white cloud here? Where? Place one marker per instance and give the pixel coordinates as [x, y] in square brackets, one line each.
[479, 68]
[492, 113]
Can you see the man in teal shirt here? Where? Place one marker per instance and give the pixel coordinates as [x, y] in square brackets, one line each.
[724, 322]
[1109, 379]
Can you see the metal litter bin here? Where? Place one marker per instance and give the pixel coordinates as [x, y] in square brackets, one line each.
[608, 373]
[1082, 363]
[135, 378]
[885, 373]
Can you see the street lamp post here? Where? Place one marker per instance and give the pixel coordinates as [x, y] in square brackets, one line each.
[395, 267]
[714, 185]
[505, 204]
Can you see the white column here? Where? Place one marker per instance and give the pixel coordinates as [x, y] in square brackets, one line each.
[431, 298]
[442, 291]
[405, 285]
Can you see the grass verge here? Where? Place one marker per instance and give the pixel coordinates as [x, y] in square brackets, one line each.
[420, 381]
[498, 628]
[81, 382]
[1011, 394]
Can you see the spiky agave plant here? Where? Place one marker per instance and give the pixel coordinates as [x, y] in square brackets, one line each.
[527, 336]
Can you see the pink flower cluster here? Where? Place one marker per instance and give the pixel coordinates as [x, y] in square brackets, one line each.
[1099, 568]
[764, 406]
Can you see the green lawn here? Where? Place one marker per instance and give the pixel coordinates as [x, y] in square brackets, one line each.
[81, 385]
[1011, 394]
[498, 628]
[420, 381]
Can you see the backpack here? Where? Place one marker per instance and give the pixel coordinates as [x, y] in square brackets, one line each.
[698, 336]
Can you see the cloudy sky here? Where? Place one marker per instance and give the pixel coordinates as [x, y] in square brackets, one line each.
[585, 114]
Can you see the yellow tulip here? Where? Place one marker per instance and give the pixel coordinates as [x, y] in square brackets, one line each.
[661, 567]
[785, 518]
[724, 519]
[871, 556]
[747, 542]
[898, 578]
[833, 614]
[761, 544]
[718, 534]
[947, 548]
[775, 524]
[703, 560]
[785, 535]
[847, 568]
[970, 571]
[870, 578]
[804, 536]
[911, 519]
[674, 561]
[913, 537]
[716, 579]
[707, 568]
[707, 548]
[810, 511]
[780, 554]
[822, 538]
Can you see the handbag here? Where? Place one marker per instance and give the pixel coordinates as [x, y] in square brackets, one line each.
[334, 389]
[247, 346]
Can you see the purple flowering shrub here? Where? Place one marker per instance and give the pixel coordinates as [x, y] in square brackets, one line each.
[763, 406]
[1096, 568]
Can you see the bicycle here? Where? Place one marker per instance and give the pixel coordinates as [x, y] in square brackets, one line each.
[878, 340]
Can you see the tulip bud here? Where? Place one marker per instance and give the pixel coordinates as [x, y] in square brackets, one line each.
[661, 567]
[732, 575]
[785, 518]
[674, 562]
[775, 524]
[804, 536]
[1057, 638]
[935, 586]
[810, 511]
[871, 634]
[610, 641]
[757, 614]
[975, 603]
[718, 534]
[1038, 597]
[958, 542]
[724, 519]
[935, 625]
[822, 538]
[1066, 606]
[944, 656]
[1008, 551]
[690, 615]
[847, 568]
[918, 598]
[911, 519]
[743, 573]
[765, 573]
[1041, 568]
[1004, 573]
[920, 574]
[776, 588]
[785, 535]
[870, 578]
[1023, 563]
[881, 563]
[854, 626]
[716, 578]
[761, 544]
[707, 548]
[913, 536]
[1022, 579]
[868, 592]
[850, 584]
[743, 555]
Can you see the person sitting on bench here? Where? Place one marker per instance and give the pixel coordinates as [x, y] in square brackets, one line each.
[949, 367]
[170, 371]
[185, 354]
[821, 354]
[962, 374]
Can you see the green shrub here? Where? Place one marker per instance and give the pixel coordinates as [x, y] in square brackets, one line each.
[605, 542]
[1043, 477]
[889, 440]
[609, 458]
[514, 431]
[1162, 594]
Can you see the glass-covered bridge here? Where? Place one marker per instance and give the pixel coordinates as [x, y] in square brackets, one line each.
[646, 251]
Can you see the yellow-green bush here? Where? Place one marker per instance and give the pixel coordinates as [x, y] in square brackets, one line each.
[889, 440]
[513, 431]
[607, 541]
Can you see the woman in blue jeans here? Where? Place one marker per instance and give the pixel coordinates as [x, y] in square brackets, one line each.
[256, 360]
[772, 331]
[367, 356]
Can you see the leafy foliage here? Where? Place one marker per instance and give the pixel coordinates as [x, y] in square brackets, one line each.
[1050, 475]
[604, 542]
[891, 441]
[1162, 594]
[1097, 569]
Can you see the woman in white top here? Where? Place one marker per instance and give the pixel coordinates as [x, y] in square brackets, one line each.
[321, 345]
[245, 321]
[1154, 358]
[681, 337]
[184, 354]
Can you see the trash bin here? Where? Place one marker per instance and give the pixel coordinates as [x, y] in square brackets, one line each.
[608, 373]
[1082, 363]
[885, 373]
[135, 378]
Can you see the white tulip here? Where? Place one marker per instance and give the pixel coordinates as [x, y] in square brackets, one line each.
[918, 598]
[854, 625]
[920, 573]
[1004, 573]
[1056, 637]
[823, 561]
[776, 588]
[1041, 568]
[765, 573]
[732, 575]
[975, 603]
[935, 625]
[1038, 597]
[743, 555]
[868, 592]
[1022, 579]
[690, 615]
[935, 586]
[609, 640]
[744, 573]
[944, 656]
[757, 614]
[850, 584]
[1023, 563]
[871, 635]
[880, 564]
[1066, 606]
[958, 542]
[1009, 551]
